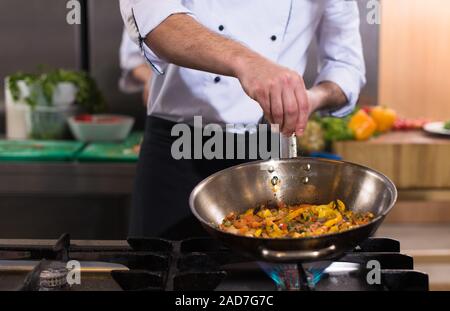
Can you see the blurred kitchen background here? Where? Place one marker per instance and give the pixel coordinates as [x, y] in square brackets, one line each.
[408, 61]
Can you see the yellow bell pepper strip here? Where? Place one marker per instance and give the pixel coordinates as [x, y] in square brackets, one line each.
[258, 233]
[362, 125]
[333, 221]
[249, 212]
[333, 229]
[275, 228]
[325, 211]
[384, 118]
[265, 213]
[294, 214]
[341, 205]
[276, 232]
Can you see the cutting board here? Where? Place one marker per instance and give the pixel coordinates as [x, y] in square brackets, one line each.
[38, 150]
[125, 151]
[413, 159]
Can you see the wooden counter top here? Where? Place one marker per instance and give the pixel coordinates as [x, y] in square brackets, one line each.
[412, 159]
[408, 137]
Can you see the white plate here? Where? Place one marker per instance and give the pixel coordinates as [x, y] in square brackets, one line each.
[436, 128]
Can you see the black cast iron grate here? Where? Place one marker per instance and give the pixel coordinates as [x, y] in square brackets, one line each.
[198, 263]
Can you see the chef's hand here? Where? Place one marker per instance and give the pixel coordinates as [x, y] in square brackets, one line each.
[145, 94]
[143, 74]
[279, 91]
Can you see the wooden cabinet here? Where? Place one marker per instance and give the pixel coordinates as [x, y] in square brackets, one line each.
[414, 57]
[418, 164]
[410, 159]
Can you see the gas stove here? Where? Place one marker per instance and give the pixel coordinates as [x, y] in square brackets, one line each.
[150, 264]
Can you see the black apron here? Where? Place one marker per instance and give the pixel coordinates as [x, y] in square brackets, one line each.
[160, 206]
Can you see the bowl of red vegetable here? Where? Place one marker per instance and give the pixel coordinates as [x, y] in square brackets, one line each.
[100, 127]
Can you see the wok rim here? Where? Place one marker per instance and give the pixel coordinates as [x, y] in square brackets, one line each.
[378, 218]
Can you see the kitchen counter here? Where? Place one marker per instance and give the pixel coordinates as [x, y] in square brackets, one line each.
[45, 199]
[419, 166]
[412, 159]
[69, 178]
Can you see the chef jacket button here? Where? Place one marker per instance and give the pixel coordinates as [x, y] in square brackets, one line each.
[273, 38]
[221, 28]
[217, 79]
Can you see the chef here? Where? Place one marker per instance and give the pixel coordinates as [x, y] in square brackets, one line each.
[232, 62]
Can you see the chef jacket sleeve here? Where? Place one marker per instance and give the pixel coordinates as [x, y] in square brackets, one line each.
[142, 16]
[340, 51]
[130, 58]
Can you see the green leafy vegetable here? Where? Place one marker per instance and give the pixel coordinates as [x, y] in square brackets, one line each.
[336, 129]
[312, 139]
[88, 95]
[447, 125]
[13, 84]
[43, 85]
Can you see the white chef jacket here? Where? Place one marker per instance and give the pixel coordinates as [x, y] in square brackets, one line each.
[130, 58]
[280, 30]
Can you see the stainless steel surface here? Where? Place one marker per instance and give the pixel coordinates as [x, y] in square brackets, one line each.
[288, 146]
[307, 255]
[85, 266]
[241, 187]
[66, 178]
[23, 26]
[97, 197]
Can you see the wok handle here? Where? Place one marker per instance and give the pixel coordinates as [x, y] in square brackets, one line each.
[280, 256]
[288, 146]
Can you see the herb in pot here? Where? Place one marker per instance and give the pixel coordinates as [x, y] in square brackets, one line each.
[88, 95]
[13, 86]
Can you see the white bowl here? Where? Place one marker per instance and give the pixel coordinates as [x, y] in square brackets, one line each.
[101, 131]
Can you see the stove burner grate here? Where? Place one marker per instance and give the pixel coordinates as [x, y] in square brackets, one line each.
[204, 264]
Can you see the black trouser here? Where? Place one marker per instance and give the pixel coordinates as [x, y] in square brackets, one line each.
[160, 205]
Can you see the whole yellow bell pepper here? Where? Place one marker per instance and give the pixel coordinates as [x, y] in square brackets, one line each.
[362, 125]
[384, 118]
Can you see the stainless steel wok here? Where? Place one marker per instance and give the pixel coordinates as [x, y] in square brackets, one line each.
[301, 180]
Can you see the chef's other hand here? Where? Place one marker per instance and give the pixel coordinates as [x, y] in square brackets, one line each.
[279, 91]
[143, 75]
[146, 93]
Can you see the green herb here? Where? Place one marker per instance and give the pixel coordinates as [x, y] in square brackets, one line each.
[13, 85]
[447, 125]
[336, 129]
[290, 226]
[88, 95]
[43, 85]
